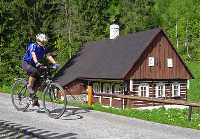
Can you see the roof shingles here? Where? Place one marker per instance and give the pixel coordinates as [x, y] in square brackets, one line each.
[107, 59]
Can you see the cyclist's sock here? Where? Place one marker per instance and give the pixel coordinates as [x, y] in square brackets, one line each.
[30, 90]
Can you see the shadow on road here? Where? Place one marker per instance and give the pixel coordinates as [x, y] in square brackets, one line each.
[10, 130]
[73, 114]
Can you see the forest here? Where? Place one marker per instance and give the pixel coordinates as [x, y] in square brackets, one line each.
[71, 23]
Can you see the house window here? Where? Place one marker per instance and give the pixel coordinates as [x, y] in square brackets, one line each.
[151, 61]
[160, 90]
[144, 90]
[117, 89]
[175, 89]
[169, 62]
[97, 87]
[107, 88]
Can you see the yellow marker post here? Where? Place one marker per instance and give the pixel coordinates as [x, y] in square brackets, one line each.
[90, 95]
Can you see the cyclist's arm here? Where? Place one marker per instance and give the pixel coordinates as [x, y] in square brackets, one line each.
[34, 57]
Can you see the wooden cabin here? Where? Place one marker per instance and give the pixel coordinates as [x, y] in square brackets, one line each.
[139, 64]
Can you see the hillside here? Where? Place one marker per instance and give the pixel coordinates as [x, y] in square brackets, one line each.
[69, 24]
[194, 93]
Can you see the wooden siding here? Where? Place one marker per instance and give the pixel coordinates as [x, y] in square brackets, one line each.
[168, 88]
[160, 49]
[76, 87]
[106, 101]
[121, 103]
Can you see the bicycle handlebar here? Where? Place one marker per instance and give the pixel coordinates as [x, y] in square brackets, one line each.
[46, 71]
[43, 67]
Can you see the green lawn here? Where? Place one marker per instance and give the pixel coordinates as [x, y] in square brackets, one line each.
[194, 91]
[175, 117]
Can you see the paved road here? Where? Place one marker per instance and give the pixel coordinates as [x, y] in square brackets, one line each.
[83, 125]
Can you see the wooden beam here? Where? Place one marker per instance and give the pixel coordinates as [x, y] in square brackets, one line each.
[90, 95]
[190, 113]
[158, 100]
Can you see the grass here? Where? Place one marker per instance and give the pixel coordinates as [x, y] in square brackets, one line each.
[194, 91]
[5, 89]
[177, 117]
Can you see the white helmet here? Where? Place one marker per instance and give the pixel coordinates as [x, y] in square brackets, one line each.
[42, 39]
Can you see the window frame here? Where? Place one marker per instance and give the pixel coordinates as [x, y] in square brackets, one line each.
[96, 86]
[119, 87]
[110, 88]
[151, 61]
[179, 89]
[163, 90]
[170, 62]
[140, 89]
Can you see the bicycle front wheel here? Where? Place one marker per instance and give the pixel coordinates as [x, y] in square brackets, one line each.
[54, 100]
[20, 95]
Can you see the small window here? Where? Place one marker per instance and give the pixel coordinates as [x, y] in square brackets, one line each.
[117, 88]
[160, 90]
[151, 61]
[175, 90]
[107, 88]
[144, 90]
[169, 62]
[97, 87]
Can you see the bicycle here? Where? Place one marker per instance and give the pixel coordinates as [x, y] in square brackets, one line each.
[54, 98]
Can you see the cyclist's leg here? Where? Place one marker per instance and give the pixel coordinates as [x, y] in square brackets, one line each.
[33, 75]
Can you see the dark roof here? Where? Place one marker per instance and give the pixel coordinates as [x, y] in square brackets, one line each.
[107, 59]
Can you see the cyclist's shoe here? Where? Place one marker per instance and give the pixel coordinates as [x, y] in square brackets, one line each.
[34, 100]
[40, 110]
[55, 66]
[35, 103]
[33, 97]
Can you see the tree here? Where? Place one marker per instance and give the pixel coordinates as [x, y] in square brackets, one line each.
[136, 15]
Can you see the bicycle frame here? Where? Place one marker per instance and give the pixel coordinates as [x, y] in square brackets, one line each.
[45, 78]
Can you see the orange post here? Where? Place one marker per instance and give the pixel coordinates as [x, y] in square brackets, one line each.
[90, 95]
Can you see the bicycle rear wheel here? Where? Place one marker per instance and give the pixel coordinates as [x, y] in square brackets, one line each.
[54, 100]
[20, 95]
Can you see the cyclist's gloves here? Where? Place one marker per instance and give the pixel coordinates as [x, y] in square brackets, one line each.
[38, 64]
[55, 66]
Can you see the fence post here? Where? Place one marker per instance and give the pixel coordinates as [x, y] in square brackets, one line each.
[190, 113]
[90, 95]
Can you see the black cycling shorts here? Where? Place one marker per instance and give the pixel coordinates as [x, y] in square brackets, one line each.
[30, 69]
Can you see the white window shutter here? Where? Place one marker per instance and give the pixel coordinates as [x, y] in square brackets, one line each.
[131, 85]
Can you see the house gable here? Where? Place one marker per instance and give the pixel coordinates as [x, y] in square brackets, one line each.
[167, 64]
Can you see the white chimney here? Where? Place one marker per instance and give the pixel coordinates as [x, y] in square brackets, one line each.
[114, 31]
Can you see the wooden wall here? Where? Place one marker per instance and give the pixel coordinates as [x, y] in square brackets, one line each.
[122, 103]
[76, 87]
[160, 49]
[168, 89]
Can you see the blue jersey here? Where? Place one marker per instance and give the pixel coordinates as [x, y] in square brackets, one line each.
[39, 52]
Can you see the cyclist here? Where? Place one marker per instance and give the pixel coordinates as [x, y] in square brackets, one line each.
[35, 52]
